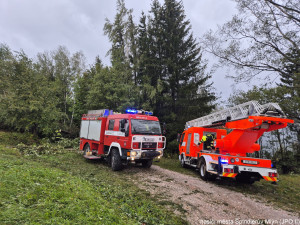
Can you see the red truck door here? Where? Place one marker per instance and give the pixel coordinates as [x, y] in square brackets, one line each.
[188, 145]
[123, 127]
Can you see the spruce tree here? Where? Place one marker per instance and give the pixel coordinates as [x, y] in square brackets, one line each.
[172, 64]
[121, 33]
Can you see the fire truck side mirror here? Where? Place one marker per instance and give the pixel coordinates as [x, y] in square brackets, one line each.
[178, 137]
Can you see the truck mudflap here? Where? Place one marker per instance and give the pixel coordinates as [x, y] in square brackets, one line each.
[232, 171]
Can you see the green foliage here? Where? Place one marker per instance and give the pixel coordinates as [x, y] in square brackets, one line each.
[46, 147]
[72, 143]
[120, 79]
[286, 162]
[35, 96]
[290, 86]
[66, 189]
[14, 138]
[42, 149]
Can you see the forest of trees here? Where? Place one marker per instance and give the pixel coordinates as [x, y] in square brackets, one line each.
[157, 64]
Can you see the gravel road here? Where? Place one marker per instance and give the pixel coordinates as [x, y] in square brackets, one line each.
[205, 202]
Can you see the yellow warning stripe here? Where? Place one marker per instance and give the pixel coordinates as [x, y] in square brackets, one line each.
[232, 175]
[270, 178]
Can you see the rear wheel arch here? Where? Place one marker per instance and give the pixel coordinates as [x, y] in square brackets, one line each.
[86, 148]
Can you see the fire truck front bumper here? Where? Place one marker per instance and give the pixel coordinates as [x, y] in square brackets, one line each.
[140, 154]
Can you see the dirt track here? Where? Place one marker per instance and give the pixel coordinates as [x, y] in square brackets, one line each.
[204, 202]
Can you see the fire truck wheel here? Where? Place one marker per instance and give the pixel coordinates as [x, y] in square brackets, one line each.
[147, 163]
[86, 149]
[183, 165]
[203, 173]
[116, 163]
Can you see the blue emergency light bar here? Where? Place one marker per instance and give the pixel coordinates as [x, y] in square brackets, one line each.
[131, 111]
[142, 112]
[148, 113]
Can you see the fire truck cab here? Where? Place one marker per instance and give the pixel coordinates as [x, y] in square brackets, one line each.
[121, 138]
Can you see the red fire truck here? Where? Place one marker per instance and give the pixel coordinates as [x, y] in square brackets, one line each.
[235, 132]
[121, 138]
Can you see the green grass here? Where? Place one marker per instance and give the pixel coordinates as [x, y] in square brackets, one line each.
[285, 195]
[66, 189]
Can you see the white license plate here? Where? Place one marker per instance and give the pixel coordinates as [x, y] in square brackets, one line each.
[250, 162]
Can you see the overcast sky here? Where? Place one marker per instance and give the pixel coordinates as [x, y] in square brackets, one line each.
[42, 25]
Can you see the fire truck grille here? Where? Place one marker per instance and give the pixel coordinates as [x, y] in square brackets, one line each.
[149, 145]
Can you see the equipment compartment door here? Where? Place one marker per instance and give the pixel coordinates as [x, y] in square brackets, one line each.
[188, 144]
[94, 130]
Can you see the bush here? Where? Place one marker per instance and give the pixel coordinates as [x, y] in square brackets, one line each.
[43, 149]
[172, 148]
[69, 143]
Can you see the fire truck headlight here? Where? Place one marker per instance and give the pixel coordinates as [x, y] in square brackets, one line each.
[133, 153]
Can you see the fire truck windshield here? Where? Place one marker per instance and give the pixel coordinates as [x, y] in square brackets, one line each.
[145, 127]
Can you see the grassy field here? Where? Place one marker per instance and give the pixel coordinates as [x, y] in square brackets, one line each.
[285, 195]
[66, 189]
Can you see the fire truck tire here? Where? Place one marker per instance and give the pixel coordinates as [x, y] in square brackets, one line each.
[203, 173]
[147, 163]
[116, 162]
[183, 165]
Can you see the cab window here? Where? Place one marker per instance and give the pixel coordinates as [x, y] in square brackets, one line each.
[182, 138]
[111, 125]
[124, 126]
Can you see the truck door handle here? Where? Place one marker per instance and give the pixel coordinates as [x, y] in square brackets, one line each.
[118, 137]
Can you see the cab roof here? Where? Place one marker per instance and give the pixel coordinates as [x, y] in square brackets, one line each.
[132, 116]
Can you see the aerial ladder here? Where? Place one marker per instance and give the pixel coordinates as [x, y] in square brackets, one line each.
[235, 131]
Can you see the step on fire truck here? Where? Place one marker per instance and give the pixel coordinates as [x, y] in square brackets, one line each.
[236, 131]
[121, 138]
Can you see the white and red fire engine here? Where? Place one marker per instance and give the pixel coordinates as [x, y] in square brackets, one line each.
[120, 138]
[236, 131]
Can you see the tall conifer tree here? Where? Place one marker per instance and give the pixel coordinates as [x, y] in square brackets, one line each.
[170, 61]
